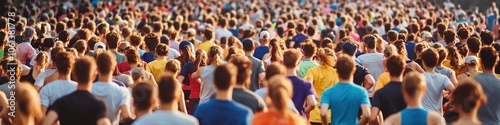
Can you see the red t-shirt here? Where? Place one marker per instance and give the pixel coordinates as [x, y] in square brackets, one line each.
[195, 88]
[125, 67]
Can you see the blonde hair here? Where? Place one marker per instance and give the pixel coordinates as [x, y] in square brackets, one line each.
[279, 93]
[28, 105]
[390, 50]
[42, 60]
[173, 66]
[326, 57]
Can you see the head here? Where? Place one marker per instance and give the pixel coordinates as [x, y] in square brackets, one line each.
[370, 42]
[474, 44]
[345, 67]
[151, 41]
[85, 70]
[113, 40]
[308, 49]
[279, 93]
[396, 65]
[392, 36]
[413, 87]
[144, 96]
[173, 66]
[430, 58]
[169, 89]
[449, 36]
[162, 50]
[215, 55]
[28, 104]
[244, 69]
[489, 58]
[225, 77]
[468, 96]
[135, 40]
[64, 63]
[42, 61]
[487, 37]
[275, 69]
[326, 57]
[107, 63]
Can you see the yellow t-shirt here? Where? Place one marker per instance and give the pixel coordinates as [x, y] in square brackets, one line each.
[156, 67]
[206, 45]
[383, 80]
[323, 77]
[477, 73]
[462, 70]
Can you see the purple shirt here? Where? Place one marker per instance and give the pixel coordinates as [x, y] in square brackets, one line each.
[25, 51]
[301, 89]
[174, 45]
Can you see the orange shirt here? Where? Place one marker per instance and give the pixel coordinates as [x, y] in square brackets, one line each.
[273, 118]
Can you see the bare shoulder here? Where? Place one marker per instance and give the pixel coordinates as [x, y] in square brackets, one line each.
[434, 118]
[394, 119]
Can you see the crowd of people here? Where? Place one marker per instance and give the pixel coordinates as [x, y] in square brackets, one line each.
[253, 62]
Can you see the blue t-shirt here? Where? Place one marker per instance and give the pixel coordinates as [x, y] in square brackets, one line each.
[491, 20]
[298, 39]
[148, 57]
[345, 100]
[410, 50]
[260, 51]
[233, 31]
[414, 116]
[219, 112]
[141, 52]
[186, 70]
[301, 89]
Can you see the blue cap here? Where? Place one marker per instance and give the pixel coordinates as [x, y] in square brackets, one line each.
[185, 44]
[349, 48]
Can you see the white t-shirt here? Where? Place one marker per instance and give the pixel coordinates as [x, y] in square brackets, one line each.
[433, 98]
[374, 63]
[172, 54]
[114, 96]
[161, 117]
[41, 77]
[219, 33]
[55, 90]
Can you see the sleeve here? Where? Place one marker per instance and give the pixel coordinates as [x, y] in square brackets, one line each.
[261, 67]
[261, 105]
[44, 96]
[101, 110]
[32, 53]
[364, 95]
[185, 70]
[310, 90]
[40, 79]
[365, 71]
[325, 98]
[376, 99]
[249, 117]
[125, 97]
[447, 82]
[309, 75]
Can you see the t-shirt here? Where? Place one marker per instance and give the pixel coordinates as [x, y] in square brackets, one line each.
[260, 51]
[257, 68]
[222, 112]
[323, 77]
[247, 98]
[301, 89]
[219, 33]
[55, 90]
[174, 45]
[390, 99]
[374, 63]
[234, 32]
[79, 108]
[489, 113]
[274, 118]
[410, 50]
[114, 96]
[206, 45]
[433, 98]
[40, 79]
[125, 66]
[305, 65]
[207, 88]
[444, 71]
[161, 117]
[359, 75]
[148, 57]
[119, 57]
[172, 54]
[156, 67]
[344, 100]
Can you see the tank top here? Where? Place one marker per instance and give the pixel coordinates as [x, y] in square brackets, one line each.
[207, 88]
[29, 77]
[195, 88]
[414, 116]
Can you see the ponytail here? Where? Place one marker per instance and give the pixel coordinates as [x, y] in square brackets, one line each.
[276, 51]
[456, 60]
[201, 59]
[214, 56]
[187, 55]
[42, 60]
[326, 57]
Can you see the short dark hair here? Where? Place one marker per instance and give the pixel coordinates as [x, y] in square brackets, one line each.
[157, 26]
[489, 57]
[274, 69]
[487, 37]
[345, 67]
[244, 68]
[169, 89]
[225, 76]
[370, 41]
[143, 95]
[301, 27]
[396, 65]
[441, 27]
[54, 52]
[162, 49]
[291, 57]
[463, 33]
[64, 62]
[107, 63]
[474, 44]
[449, 36]
[152, 40]
[84, 70]
[392, 35]
[208, 34]
[135, 39]
[430, 57]
[309, 49]
[113, 39]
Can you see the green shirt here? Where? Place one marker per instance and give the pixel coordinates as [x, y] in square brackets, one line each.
[305, 65]
[1, 53]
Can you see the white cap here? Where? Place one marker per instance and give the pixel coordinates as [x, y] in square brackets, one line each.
[469, 59]
[191, 31]
[100, 44]
[426, 35]
[264, 33]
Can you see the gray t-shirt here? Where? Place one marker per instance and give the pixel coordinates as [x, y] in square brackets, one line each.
[445, 71]
[489, 114]
[160, 117]
[257, 68]
[433, 98]
[207, 88]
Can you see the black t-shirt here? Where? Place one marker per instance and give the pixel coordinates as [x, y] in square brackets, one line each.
[79, 108]
[359, 75]
[247, 98]
[4, 80]
[389, 99]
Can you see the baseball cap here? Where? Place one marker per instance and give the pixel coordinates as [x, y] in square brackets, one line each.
[426, 35]
[191, 32]
[184, 44]
[349, 48]
[99, 44]
[248, 44]
[264, 33]
[469, 59]
[48, 42]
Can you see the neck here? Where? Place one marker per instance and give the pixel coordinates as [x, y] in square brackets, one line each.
[140, 113]
[414, 103]
[307, 58]
[248, 53]
[85, 86]
[429, 69]
[105, 77]
[112, 50]
[397, 78]
[345, 80]
[132, 65]
[161, 58]
[291, 71]
[488, 71]
[371, 51]
[64, 77]
[169, 106]
[225, 95]
[472, 54]
[468, 117]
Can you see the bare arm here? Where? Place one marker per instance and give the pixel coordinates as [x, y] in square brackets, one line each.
[417, 67]
[373, 117]
[3, 104]
[369, 81]
[323, 112]
[103, 121]
[453, 78]
[196, 75]
[311, 103]
[180, 78]
[366, 110]
[50, 119]
[44, 109]
[182, 104]
[125, 114]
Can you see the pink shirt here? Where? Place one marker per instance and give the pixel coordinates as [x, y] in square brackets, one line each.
[25, 51]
